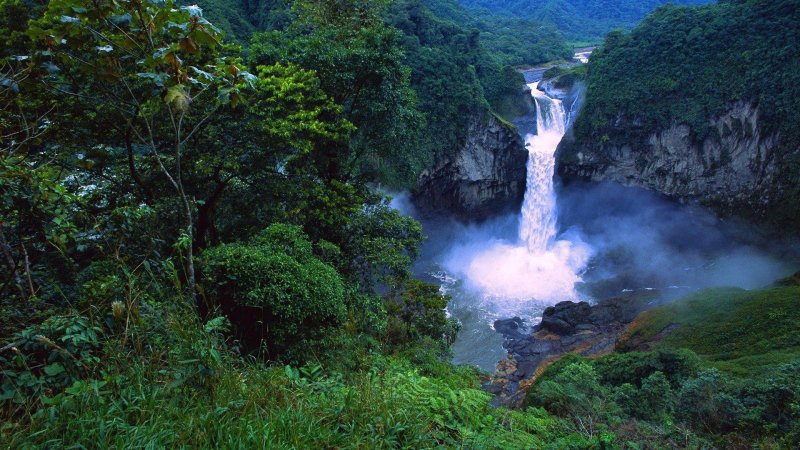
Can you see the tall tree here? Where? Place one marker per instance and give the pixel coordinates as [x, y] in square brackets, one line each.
[360, 64]
[157, 82]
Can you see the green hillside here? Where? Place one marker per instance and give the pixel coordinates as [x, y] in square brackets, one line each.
[578, 20]
[737, 331]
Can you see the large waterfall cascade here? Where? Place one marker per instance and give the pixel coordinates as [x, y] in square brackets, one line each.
[538, 268]
[518, 265]
[538, 224]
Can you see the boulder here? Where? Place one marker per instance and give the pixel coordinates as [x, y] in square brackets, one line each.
[567, 327]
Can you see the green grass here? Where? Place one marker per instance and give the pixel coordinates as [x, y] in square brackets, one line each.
[583, 44]
[740, 332]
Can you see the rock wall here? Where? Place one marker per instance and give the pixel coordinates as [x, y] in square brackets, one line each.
[486, 177]
[734, 169]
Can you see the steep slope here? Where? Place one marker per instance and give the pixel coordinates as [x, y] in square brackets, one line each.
[700, 104]
[738, 331]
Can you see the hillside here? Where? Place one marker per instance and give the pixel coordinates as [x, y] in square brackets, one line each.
[724, 360]
[579, 20]
[460, 65]
[197, 250]
[739, 332]
[699, 104]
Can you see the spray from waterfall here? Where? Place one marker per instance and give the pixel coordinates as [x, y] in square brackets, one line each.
[538, 267]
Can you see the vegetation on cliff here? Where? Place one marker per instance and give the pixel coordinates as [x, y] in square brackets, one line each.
[689, 65]
[458, 65]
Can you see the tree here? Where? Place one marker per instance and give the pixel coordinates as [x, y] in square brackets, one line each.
[35, 213]
[359, 61]
[158, 83]
[275, 290]
[152, 69]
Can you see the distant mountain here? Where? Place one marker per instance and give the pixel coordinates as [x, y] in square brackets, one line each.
[579, 20]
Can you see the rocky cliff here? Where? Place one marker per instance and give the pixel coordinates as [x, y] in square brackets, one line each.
[485, 177]
[698, 110]
[737, 168]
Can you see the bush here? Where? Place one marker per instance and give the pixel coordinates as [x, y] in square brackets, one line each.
[44, 359]
[655, 398]
[635, 367]
[274, 290]
[416, 312]
[705, 403]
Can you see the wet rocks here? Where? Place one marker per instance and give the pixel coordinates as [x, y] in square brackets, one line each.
[514, 327]
[566, 327]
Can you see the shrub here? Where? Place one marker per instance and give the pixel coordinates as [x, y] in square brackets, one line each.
[634, 367]
[705, 403]
[44, 359]
[655, 398]
[274, 289]
[576, 393]
[416, 312]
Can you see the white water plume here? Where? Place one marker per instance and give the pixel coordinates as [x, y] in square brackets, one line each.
[537, 267]
[538, 225]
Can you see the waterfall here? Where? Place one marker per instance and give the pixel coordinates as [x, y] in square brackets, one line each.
[538, 225]
[534, 268]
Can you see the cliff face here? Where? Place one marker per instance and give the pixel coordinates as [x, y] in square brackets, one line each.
[698, 110]
[485, 177]
[736, 168]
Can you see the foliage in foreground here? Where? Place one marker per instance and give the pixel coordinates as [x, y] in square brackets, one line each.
[723, 367]
[180, 384]
[668, 397]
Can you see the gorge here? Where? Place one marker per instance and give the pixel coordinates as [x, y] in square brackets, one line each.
[623, 247]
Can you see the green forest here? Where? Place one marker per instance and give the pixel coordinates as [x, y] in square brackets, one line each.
[193, 253]
[582, 21]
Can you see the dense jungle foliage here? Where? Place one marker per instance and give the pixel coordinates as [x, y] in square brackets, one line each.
[191, 254]
[581, 21]
[461, 67]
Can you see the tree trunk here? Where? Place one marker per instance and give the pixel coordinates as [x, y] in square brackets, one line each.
[206, 229]
[11, 263]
